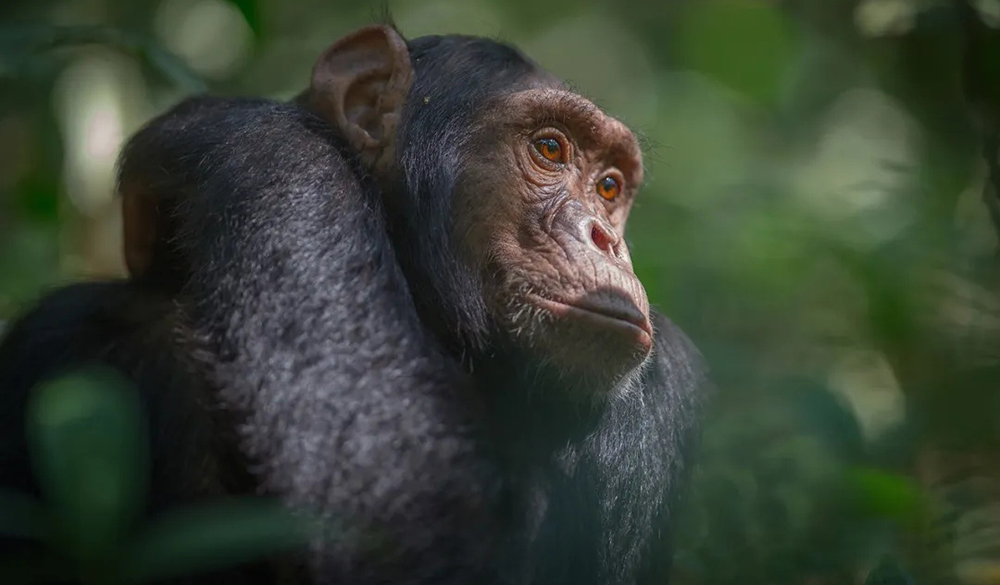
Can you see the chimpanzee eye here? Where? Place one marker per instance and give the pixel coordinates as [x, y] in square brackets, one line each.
[550, 149]
[608, 188]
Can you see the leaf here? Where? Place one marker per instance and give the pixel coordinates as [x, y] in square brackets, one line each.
[250, 9]
[87, 448]
[214, 536]
[889, 496]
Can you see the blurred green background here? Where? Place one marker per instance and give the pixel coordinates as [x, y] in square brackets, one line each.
[820, 217]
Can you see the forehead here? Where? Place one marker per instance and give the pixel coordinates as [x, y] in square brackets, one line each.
[465, 83]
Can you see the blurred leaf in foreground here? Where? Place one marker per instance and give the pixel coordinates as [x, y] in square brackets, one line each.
[890, 496]
[215, 536]
[87, 447]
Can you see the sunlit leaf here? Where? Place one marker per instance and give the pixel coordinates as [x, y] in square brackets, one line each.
[887, 495]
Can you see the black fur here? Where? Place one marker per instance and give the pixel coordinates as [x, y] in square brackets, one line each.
[330, 321]
[455, 78]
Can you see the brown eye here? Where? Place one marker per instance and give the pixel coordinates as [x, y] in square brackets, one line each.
[550, 149]
[608, 188]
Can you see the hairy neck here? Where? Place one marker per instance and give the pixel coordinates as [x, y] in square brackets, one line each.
[535, 412]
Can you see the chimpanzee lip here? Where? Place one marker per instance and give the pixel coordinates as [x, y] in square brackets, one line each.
[601, 313]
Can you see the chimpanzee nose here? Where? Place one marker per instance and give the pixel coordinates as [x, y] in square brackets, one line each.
[604, 238]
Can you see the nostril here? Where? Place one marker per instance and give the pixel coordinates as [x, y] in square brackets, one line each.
[602, 239]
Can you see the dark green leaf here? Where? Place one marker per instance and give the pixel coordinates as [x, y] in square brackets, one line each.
[87, 448]
[214, 536]
[250, 9]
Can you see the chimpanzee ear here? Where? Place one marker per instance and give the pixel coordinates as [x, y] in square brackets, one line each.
[360, 84]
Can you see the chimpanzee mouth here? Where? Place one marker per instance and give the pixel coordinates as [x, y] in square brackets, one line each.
[612, 314]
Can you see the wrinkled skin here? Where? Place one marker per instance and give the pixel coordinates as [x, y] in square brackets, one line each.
[555, 265]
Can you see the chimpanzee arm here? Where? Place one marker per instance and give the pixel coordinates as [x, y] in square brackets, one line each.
[346, 405]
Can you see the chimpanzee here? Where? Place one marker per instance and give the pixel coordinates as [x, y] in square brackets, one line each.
[403, 302]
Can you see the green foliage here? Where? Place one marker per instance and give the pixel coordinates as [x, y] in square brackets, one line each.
[747, 46]
[890, 496]
[88, 449]
[85, 436]
[810, 164]
[213, 537]
[23, 46]
[250, 9]
[888, 572]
